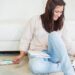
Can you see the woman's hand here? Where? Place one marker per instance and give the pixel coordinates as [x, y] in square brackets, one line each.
[17, 59]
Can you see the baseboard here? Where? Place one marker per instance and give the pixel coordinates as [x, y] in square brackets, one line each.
[9, 52]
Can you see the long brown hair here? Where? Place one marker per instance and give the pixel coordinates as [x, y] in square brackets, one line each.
[47, 18]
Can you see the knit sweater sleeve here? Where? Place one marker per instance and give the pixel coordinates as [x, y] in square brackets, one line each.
[27, 35]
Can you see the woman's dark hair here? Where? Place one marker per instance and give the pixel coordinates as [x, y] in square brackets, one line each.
[47, 18]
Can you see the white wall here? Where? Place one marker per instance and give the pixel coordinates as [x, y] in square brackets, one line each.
[24, 9]
[70, 10]
[70, 17]
[20, 9]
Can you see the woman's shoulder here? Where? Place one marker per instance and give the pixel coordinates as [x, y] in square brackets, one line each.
[34, 21]
[35, 18]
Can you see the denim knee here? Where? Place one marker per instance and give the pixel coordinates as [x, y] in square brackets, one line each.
[39, 66]
[53, 34]
[43, 66]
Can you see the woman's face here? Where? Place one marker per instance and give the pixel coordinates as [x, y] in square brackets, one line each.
[58, 12]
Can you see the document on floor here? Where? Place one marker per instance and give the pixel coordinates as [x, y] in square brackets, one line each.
[40, 54]
[6, 62]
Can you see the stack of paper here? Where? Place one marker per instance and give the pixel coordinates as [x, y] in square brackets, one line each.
[35, 53]
[6, 62]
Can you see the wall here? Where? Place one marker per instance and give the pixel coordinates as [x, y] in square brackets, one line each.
[24, 9]
[20, 9]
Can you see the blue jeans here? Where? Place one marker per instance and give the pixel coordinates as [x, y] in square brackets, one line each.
[59, 59]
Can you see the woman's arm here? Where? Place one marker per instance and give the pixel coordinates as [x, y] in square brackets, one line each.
[18, 58]
[25, 40]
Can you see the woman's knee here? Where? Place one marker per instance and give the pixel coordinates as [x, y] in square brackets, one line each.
[39, 66]
[54, 34]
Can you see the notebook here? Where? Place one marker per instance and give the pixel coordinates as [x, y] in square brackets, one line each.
[6, 62]
[40, 54]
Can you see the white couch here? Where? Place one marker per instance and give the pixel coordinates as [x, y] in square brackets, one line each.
[10, 34]
[68, 35]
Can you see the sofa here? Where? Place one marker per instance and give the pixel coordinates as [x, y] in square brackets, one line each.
[68, 36]
[10, 34]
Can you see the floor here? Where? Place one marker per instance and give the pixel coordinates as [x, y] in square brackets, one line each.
[16, 69]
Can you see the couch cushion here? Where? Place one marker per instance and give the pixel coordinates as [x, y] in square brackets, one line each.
[11, 30]
[68, 35]
[9, 45]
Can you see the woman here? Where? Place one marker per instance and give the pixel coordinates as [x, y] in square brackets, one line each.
[42, 34]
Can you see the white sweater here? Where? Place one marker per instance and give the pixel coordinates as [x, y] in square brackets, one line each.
[36, 38]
